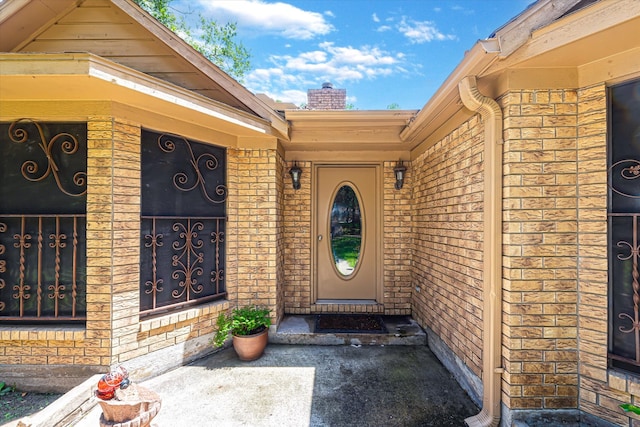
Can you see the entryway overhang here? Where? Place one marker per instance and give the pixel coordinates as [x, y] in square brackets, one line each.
[329, 134]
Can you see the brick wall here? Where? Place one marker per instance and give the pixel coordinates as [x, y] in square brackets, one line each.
[253, 226]
[297, 237]
[397, 241]
[540, 250]
[447, 241]
[281, 243]
[122, 250]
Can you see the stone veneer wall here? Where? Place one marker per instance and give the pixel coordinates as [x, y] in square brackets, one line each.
[540, 249]
[447, 241]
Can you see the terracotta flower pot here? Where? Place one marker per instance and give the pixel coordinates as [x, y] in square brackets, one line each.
[133, 406]
[250, 347]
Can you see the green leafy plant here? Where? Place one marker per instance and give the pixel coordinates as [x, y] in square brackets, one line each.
[217, 42]
[242, 321]
[5, 389]
[630, 408]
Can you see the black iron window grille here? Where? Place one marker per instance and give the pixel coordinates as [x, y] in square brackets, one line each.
[43, 222]
[183, 223]
[624, 226]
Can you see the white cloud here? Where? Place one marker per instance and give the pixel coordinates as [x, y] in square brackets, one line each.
[422, 31]
[294, 74]
[383, 28]
[364, 56]
[270, 18]
[375, 18]
[463, 10]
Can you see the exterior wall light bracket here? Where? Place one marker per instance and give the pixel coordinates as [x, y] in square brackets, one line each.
[295, 173]
[399, 172]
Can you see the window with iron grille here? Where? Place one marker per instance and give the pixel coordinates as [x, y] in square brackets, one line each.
[43, 187]
[183, 223]
[624, 226]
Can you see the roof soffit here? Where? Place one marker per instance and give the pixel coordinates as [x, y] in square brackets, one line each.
[599, 30]
[87, 77]
[347, 130]
[517, 31]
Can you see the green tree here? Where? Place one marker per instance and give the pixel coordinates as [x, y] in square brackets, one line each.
[216, 42]
[393, 106]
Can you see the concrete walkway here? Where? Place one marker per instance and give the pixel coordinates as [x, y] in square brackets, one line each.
[302, 385]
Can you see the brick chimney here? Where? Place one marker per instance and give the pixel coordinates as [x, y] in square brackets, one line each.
[326, 98]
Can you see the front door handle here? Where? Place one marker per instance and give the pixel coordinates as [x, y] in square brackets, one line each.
[319, 237]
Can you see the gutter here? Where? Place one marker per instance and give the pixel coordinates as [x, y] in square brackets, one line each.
[492, 369]
[445, 101]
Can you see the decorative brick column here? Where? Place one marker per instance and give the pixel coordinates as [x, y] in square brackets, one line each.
[540, 250]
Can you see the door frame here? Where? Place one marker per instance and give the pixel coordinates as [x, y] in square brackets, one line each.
[377, 228]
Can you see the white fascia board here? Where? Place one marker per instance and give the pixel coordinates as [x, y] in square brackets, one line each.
[155, 90]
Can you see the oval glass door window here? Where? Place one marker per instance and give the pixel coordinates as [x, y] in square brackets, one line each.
[346, 230]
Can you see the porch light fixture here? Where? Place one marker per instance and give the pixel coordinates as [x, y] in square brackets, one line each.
[295, 172]
[399, 171]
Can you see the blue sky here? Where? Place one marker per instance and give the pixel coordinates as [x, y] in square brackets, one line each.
[382, 52]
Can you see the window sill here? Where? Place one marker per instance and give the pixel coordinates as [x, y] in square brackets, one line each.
[188, 314]
[624, 382]
[42, 332]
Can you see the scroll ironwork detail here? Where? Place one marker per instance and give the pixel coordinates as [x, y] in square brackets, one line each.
[623, 222]
[217, 238]
[62, 143]
[182, 180]
[57, 289]
[173, 273]
[188, 260]
[3, 264]
[627, 170]
[44, 267]
[634, 253]
[183, 222]
[155, 284]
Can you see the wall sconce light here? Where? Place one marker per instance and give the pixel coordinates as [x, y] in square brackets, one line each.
[399, 171]
[295, 172]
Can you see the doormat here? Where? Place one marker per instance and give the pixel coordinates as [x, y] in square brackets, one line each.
[349, 324]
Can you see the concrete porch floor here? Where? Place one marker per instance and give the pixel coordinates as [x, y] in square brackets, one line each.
[308, 379]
